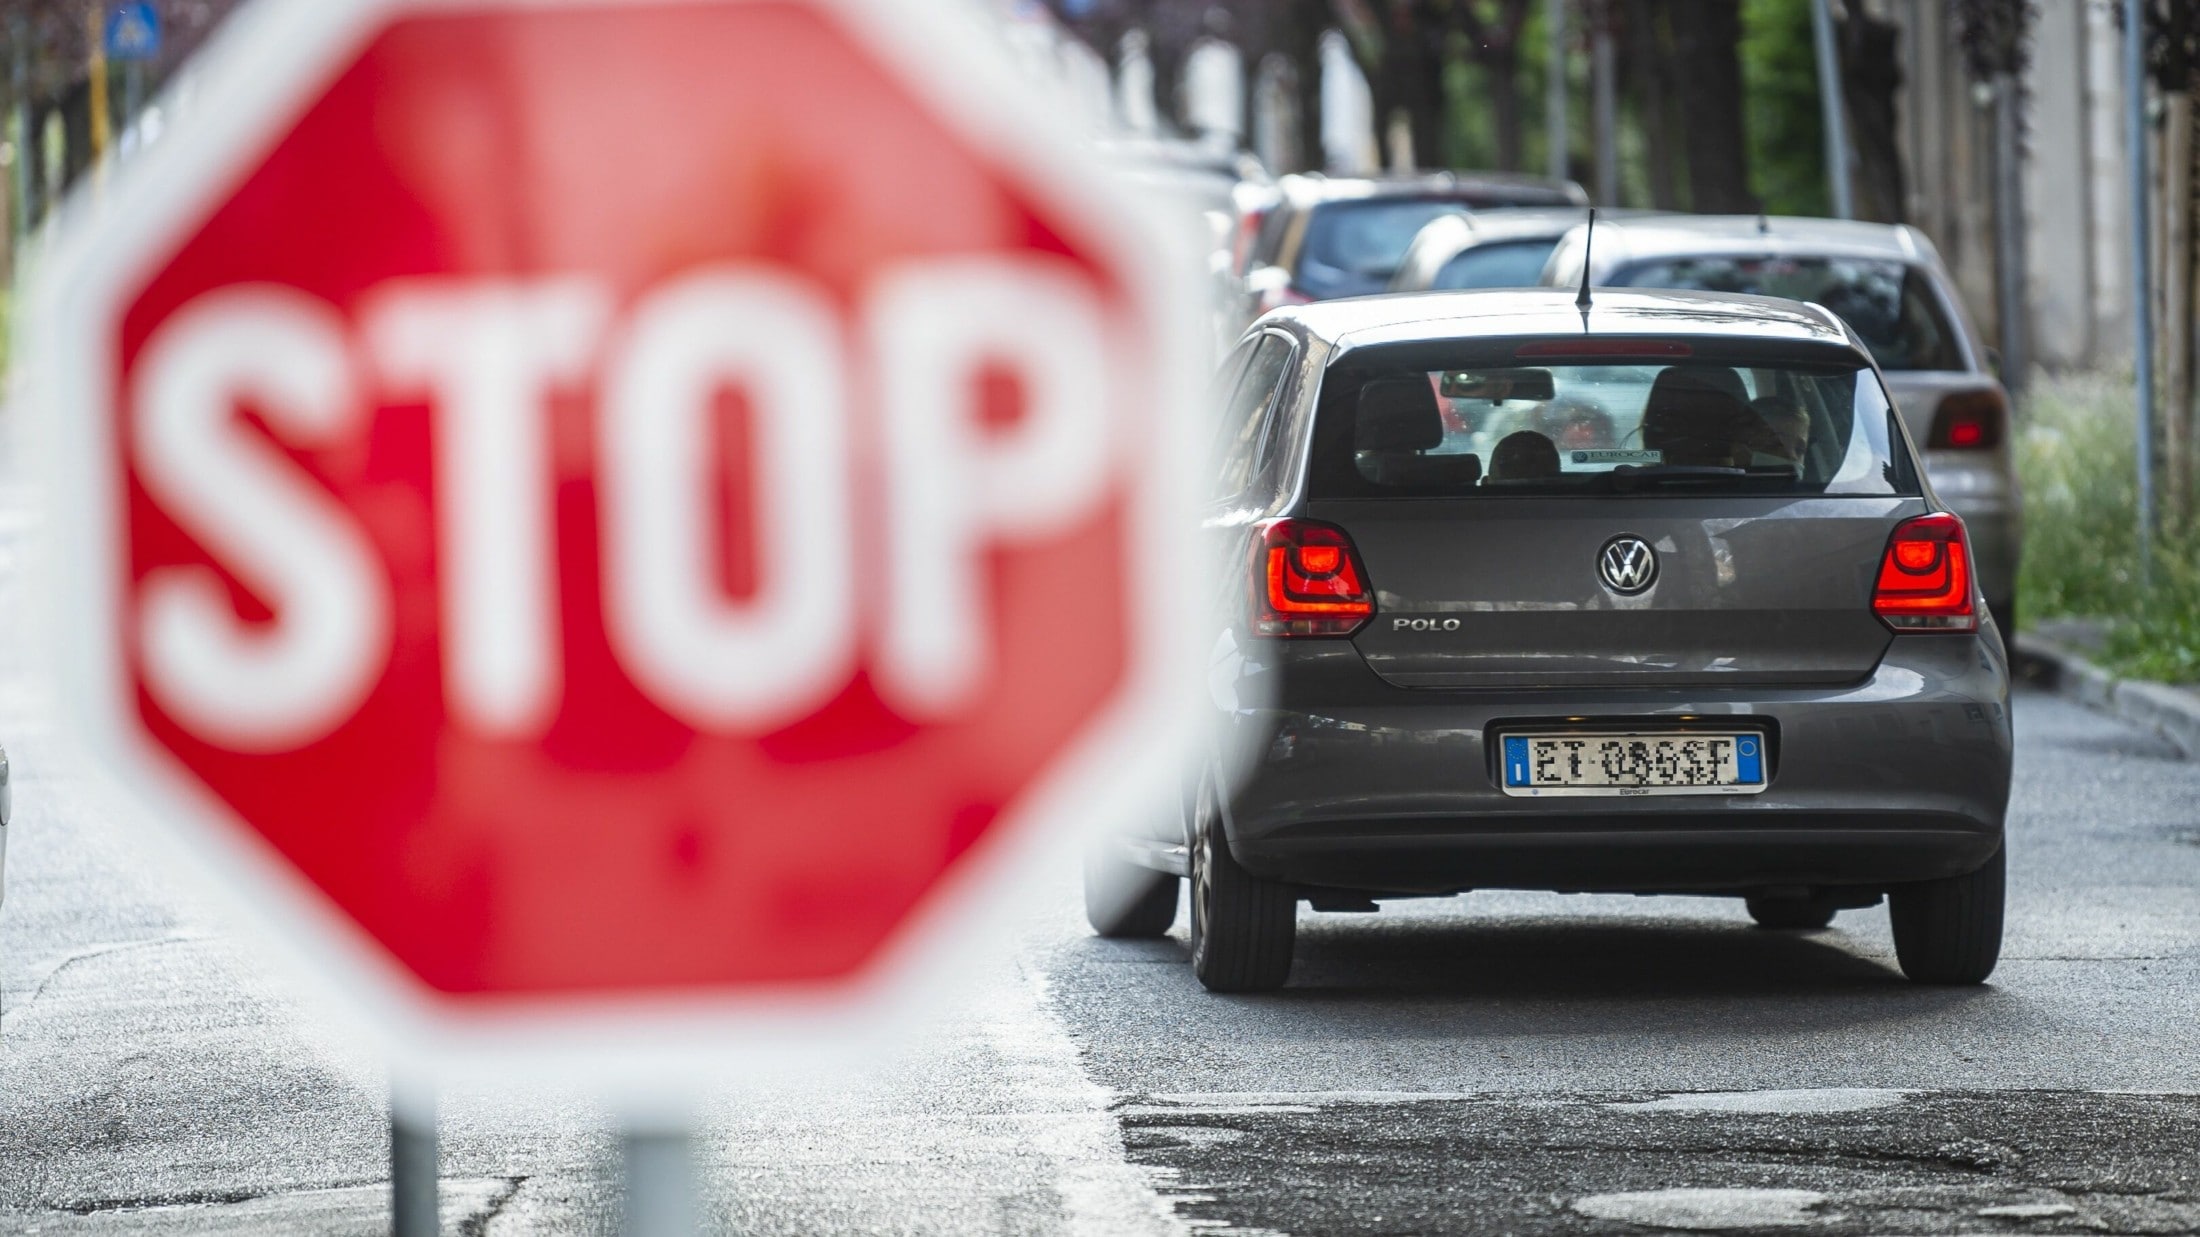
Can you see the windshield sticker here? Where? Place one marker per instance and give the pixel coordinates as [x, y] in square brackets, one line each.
[1616, 457]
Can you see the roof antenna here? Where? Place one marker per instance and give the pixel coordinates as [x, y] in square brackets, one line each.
[1588, 249]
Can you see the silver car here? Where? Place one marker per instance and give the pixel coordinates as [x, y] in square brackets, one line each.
[1488, 249]
[1647, 597]
[1888, 282]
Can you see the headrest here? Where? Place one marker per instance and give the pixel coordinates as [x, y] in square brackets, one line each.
[1407, 470]
[1524, 455]
[1675, 379]
[1696, 404]
[1397, 414]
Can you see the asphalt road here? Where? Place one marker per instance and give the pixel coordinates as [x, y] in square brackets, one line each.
[1498, 1063]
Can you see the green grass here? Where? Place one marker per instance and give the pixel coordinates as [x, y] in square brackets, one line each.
[2081, 559]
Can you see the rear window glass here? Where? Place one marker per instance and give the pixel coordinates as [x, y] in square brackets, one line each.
[1353, 247]
[1886, 302]
[1501, 264]
[1395, 424]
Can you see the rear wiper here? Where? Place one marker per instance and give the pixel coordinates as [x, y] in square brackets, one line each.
[1635, 476]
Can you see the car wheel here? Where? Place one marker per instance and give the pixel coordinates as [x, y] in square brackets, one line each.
[1791, 914]
[1243, 927]
[1949, 931]
[1124, 901]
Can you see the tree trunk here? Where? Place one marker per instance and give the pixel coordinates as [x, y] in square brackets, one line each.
[1502, 62]
[1648, 66]
[1414, 43]
[1298, 35]
[1707, 38]
[1871, 75]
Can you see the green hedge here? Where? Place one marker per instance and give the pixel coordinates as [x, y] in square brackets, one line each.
[2075, 452]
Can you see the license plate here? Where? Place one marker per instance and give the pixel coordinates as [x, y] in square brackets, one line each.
[1692, 762]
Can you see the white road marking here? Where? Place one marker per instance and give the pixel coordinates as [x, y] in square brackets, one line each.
[1706, 1210]
[1813, 1100]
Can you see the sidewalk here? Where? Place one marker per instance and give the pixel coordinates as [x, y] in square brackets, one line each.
[2052, 658]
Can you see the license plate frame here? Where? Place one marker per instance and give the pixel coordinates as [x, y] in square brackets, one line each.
[1749, 756]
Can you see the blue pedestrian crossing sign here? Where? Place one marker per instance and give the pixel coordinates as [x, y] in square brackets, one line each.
[133, 32]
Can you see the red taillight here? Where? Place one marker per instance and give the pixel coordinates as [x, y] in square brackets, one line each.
[1925, 578]
[1241, 245]
[1968, 421]
[1307, 581]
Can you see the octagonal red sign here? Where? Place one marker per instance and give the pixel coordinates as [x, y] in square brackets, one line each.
[622, 502]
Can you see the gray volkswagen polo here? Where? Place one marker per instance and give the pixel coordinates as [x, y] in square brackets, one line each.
[1648, 596]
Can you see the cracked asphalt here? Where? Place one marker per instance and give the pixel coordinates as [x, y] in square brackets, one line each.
[1499, 1063]
[1529, 1063]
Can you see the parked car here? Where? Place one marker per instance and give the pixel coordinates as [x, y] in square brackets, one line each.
[1888, 282]
[1324, 237]
[1487, 249]
[1648, 598]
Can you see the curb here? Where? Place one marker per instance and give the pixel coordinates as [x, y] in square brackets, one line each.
[2173, 713]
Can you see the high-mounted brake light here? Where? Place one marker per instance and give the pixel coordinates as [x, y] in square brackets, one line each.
[1969, 421]
[1925, 578]
[1595, 346]
[1307, 581]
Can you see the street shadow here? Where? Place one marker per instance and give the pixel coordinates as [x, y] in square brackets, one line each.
[1559, 958]
[1656, 979]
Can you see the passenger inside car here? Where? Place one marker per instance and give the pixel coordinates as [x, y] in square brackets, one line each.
[1523, 455]
[1437, 426]
[1699, 417]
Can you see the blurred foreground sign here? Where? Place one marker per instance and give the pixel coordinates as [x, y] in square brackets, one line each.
[612, 523]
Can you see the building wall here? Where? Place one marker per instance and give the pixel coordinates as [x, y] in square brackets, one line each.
[2076, 296]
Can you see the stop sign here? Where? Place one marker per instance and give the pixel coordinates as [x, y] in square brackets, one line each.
[607, 509]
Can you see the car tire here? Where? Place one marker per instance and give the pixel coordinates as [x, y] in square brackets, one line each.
[1243, 927]
[1126, 902]
[1791, 914]
[1949, 931]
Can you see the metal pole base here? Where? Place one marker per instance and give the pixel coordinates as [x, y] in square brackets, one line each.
[413, 1167]
[660, 1183]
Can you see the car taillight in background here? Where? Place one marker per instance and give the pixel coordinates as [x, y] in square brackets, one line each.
[1307, 581]
[1241, 245]
[1969, 421]
[1925, 578]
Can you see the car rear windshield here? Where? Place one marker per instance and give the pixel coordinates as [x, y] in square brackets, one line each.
[1886, 302]
[1353, 247]
[1410, 421]
[1499, 264]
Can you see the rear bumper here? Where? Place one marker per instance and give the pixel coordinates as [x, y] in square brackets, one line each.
[1352, 783]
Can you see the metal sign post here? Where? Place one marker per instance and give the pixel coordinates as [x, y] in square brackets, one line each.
[132, 37]
[1554, 88]
[1831, 109]
[2142, 292]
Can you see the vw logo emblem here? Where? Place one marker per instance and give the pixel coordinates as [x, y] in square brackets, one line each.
[1628, 564]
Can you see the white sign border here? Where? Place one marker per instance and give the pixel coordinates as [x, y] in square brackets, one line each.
[251, 82]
